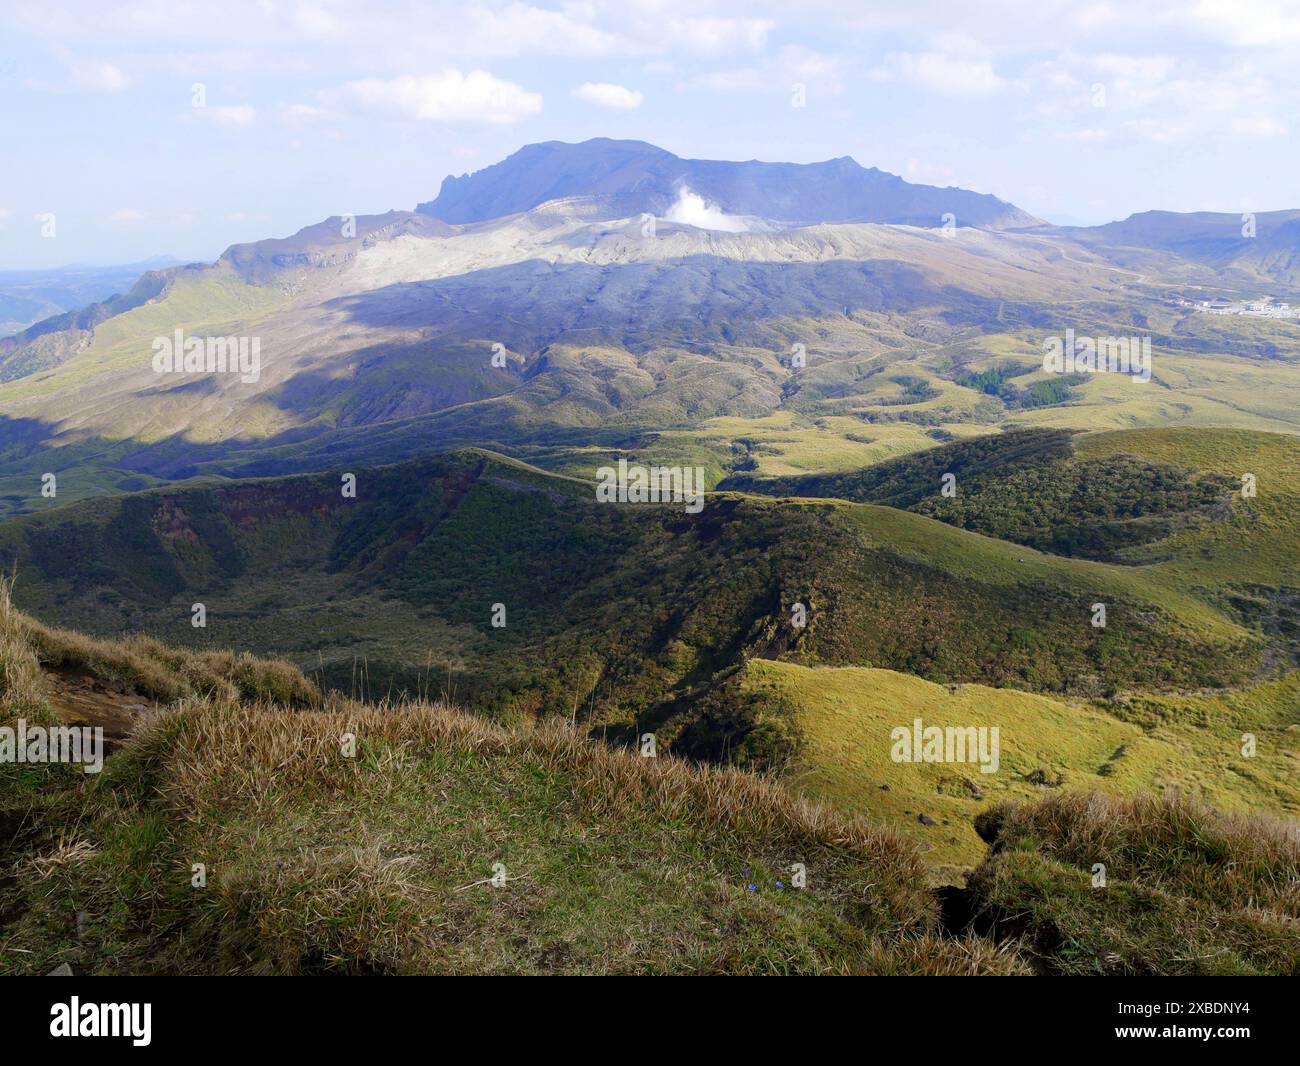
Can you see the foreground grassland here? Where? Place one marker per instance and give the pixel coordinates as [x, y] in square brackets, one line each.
[381, 861]
[1092, 886]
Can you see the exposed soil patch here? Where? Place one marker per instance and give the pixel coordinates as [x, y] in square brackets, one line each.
[80, 698]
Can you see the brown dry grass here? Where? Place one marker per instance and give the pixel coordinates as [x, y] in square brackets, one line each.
[149, 667]
[1172, 842]
[241, 753]
[934, 956]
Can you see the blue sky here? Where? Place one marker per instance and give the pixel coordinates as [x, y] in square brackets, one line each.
[1077, 112]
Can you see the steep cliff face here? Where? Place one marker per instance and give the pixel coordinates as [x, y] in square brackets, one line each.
[332, 243]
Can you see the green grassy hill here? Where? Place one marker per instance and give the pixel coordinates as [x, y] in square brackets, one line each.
[1166, 505]
[1169, 503]
[1258, 539]
[1029, 486]
[1189, 745]
[613, 614]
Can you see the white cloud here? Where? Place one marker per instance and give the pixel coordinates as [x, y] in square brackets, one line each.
[1248, 23]
[819, 72]
[929, 173]
[1088, 135]
[519, 29]
[126, 216]
[712, 36]
[315, 20]
[740, 80]
[98, 78]
[84, 78]
[1260, 126]
[691, 209]
[304, 114]
[955, 66]
[1096, 16]
[1158, 131]
[449, 97]
[231, 116]
[1159, 98]
[604, 94]
[805, 64]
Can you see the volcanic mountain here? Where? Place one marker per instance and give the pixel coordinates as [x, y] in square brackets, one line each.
[609, 292]
[631, 177]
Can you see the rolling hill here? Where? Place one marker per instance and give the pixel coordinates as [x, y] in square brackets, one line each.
[614, 609]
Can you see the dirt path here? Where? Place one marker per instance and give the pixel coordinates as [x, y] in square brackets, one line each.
[80, 698]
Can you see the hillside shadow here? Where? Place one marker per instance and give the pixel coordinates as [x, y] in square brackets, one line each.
[535, 303]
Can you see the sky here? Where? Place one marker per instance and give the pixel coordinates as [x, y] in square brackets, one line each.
[170, 127]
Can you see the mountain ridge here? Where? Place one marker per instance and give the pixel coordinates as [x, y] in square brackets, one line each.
[635, 177]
